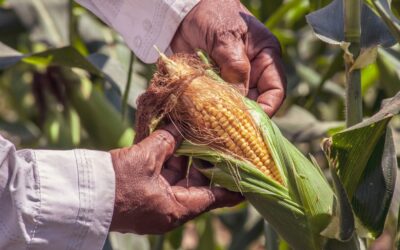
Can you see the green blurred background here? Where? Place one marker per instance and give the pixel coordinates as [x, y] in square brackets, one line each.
[63, 84]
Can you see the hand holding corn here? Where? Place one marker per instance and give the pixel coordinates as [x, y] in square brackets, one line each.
[246, 52]
[248, 56]
[153, 195]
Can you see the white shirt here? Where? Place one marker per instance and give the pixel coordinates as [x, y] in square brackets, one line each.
[65, 199]
[142, 23]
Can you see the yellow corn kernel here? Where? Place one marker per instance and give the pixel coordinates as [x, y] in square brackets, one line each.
[239, 136]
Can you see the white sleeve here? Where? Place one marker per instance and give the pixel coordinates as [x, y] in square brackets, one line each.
[142, 23]
[54, 199]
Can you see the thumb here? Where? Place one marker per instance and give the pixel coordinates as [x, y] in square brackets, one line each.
[229, 53]
[197, 200]
[162, 143]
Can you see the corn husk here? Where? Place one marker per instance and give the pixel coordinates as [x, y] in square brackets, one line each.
[300, 208]
[300, 211]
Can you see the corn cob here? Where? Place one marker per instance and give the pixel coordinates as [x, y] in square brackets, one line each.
[210, 112]
[205, 110]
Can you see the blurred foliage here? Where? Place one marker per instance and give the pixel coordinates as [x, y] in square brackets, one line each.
[63, 74]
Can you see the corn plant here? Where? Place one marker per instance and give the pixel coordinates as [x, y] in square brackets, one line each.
[57, 73]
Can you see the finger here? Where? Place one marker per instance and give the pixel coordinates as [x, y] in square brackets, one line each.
[160, 146]
[179, 43]
[268, 74]
[253, 94]
[171, 128]
[229, 53]
[197, 200]
[175, 169]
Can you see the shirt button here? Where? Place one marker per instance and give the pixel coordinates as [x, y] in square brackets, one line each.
[138, 41]
[147, 25]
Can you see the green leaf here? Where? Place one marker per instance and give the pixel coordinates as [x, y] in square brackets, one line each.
[102, 122]
[267, 9]
[206, 232]
[354, 244]
[270, 199]
[392, 22]
[395, 7]
[389, 70]
[65, 56]
[369, 77]
[317, 4]
[328, 25]
[63, 129]
[335, 66]
[26, 131]
[117, 75]
[342, 224]
[174, 238]
[241, 239]
[369, 190]
[299, 125]
[274, 19]
[314, 80]
[271, 237]
[8, 56]
[47, 20]
[365, 159]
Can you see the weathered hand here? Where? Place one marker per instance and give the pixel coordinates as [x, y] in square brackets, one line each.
[153, 194]
[245, 51]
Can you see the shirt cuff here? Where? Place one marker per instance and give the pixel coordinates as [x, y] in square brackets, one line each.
[77, 192]
[158, 30]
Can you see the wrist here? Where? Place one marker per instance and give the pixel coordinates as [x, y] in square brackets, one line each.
[117, 158]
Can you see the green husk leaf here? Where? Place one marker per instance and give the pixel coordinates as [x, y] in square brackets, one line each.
[299, 208]
[303, 205]
[306, 183]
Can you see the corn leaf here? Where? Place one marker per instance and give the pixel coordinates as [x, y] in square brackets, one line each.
[366, 163]
[8, 56]
[389, 67]
[355, 243]
[382, 7]
[328, 25]
[299, 125]
[117, 75]
[92, 107]
[64, 56]
[342, 224]
[206, 232]
[46, 19]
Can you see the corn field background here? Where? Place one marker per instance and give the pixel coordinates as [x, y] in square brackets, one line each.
[93, 107]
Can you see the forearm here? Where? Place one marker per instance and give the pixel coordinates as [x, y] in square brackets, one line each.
[143, 24]
[54, 199]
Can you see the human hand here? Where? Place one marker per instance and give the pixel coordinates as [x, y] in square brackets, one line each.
[246, 52]
[153, 194]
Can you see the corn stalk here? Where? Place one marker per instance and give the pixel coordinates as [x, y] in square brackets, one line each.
[352, 33]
